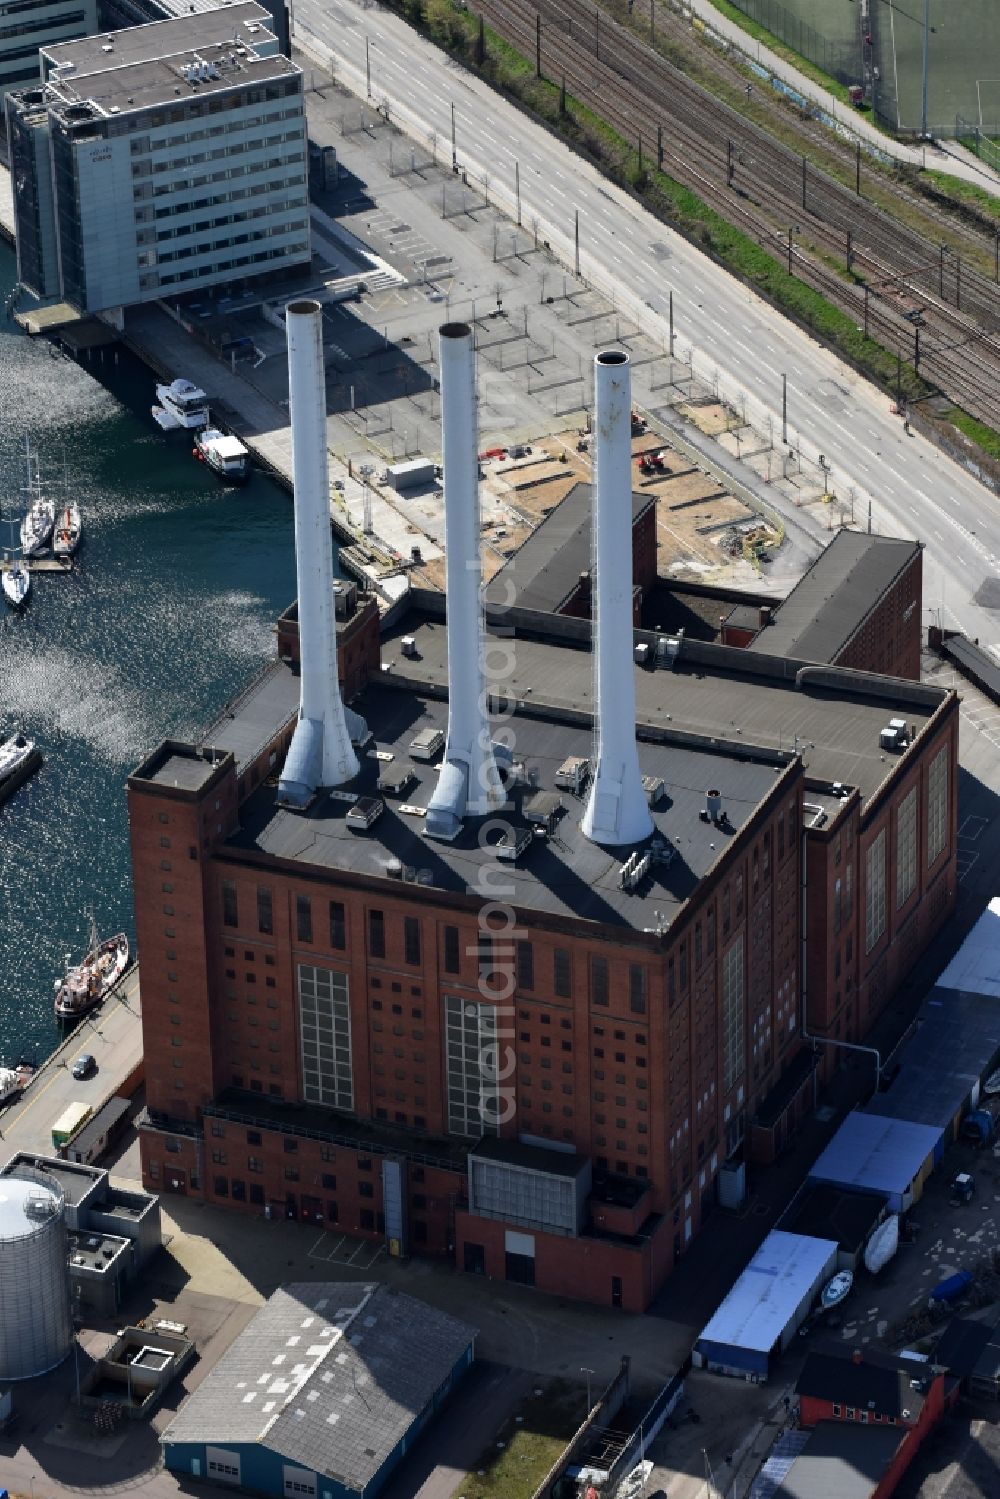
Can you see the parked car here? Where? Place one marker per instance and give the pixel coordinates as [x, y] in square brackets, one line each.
[85, 1065]
[962, 1187]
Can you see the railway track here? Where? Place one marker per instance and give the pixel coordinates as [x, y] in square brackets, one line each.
[898, 286]
[724, 71]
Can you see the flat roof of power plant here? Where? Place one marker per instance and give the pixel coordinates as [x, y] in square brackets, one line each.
[720, 718]
[721, 694]
[783, 1272]
[563, 874]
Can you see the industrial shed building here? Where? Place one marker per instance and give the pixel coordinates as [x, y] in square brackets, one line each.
[322, 1394]
[822, 1211]
[875, 1154]
[766, 1306]
[957, 1042]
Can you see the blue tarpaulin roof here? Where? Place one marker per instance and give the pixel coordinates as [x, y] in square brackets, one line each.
[875, 1153]
[786, 1269]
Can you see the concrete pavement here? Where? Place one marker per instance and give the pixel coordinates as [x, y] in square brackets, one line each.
[113, 1034]
[727, 330]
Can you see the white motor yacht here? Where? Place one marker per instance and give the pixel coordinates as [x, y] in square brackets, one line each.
[182, 405]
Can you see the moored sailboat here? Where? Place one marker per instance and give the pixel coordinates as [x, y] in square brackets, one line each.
[84, 984]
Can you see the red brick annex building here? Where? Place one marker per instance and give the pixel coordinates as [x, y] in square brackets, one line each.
[317, 1000]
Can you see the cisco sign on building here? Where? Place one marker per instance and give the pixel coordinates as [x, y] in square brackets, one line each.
[160, 159]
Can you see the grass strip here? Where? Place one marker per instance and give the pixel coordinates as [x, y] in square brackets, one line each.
[528, 1444]
[978, 432]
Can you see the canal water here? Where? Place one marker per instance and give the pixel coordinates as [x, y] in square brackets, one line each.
[169, 614]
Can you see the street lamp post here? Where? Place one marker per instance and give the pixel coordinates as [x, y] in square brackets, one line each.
[927, 32]
[368, 67]
[454, 147]
[784, 409]
[588, 1372]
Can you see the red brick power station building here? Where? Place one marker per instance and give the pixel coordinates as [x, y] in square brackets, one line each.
[318, 994]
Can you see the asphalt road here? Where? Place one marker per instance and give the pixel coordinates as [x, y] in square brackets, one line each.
[113, 1035]
[915, 490]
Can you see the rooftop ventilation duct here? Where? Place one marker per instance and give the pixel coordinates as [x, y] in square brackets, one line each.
[617, 811]
[469, 784]
[321, 753]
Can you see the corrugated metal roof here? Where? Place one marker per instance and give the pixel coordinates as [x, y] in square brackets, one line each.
[785, 1269]
[976, 965]
[870, 1151]
[330, 1375]
[831, 600]
[957, 1041]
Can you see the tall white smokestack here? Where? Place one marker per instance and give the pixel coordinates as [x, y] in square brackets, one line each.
[469, 784]
[321, 753]
[617, 810]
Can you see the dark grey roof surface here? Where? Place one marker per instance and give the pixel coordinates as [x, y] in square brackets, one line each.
[533, 1157]
[838, 730]
[564, 874]
[74, 1179]
[841, 1460]
[961, 1345]
[106, 1118]
[546, 569]
[974, 662]
[956, 1044]
[246, 725]
[881, 1382]
[831, 600]
[827, 1211]
[330, 1375]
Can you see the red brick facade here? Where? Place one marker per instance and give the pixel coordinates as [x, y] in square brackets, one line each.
[357, 642]
[888, 639]
[852, 967]
[646, 1101]
[674, 1062]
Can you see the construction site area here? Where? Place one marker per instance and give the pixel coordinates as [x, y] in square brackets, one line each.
[403, 244]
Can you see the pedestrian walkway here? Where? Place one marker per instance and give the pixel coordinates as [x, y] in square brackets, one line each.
[942, 156]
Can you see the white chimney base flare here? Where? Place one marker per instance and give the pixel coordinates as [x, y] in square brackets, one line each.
[321, 755]
[469, 784]
[617, 811]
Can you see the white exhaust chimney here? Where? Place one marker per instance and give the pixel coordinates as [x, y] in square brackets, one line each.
[321, 753]
[469, 784]
[617, 810]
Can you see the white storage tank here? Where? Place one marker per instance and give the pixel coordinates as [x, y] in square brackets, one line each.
[36, 1329]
